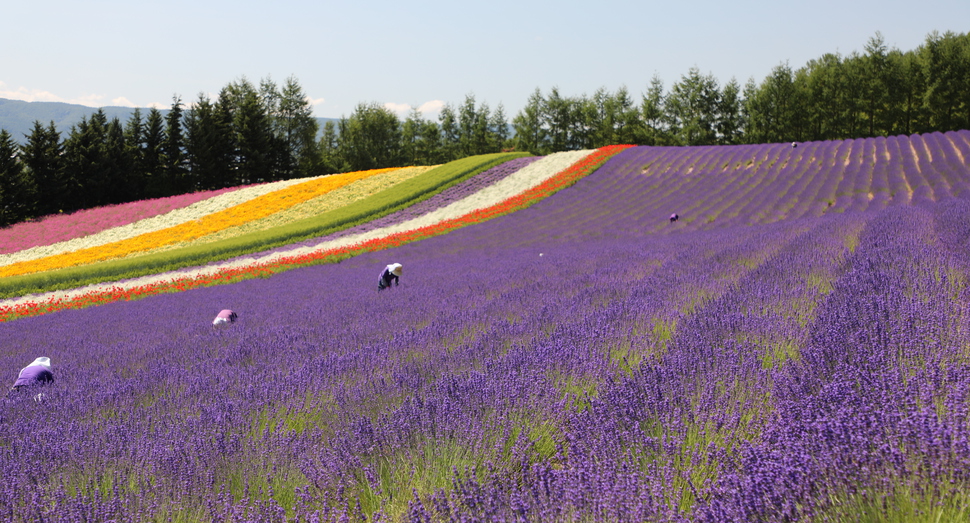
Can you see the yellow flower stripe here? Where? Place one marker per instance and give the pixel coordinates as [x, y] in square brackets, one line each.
[345, 195]
[245, 212]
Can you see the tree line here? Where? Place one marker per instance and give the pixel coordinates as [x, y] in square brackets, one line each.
[257, 133]
[248, 134]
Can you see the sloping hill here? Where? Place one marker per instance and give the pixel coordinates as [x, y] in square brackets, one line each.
[793, 348]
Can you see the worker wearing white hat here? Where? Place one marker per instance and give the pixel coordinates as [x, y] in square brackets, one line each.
[37, 373]
[391, 272]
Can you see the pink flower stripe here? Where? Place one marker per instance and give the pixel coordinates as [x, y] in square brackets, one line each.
[62, 227]
[103, 295]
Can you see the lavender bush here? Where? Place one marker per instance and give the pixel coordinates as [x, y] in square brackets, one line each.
[769, 357]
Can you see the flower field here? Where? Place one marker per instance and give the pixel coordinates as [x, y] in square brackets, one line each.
[795, 348]
[63, 227]
[238, 209]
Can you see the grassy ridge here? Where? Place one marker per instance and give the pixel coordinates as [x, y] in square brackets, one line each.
[390, 200]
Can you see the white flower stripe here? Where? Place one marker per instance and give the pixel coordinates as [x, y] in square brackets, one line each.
[170, 219]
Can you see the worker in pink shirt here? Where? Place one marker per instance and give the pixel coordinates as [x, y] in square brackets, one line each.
[225, 316]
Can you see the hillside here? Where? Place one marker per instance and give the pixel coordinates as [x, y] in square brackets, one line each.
[794, 347]
[17, 117]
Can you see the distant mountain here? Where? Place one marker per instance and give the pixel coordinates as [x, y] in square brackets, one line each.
[18, 117]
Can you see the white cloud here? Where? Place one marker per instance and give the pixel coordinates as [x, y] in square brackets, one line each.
[314, 101]
[122, 102]
[91, 100]
[28, 95]
[434, 106]
[429, 110]
[401, 110]
[36, 95]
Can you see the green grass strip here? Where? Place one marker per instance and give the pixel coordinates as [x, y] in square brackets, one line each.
[393, 199]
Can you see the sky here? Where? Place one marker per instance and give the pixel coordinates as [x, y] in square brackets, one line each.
[425, 54]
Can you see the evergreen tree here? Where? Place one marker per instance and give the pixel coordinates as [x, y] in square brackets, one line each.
[482, 140]
[774, 110]
[370, 138]
[558, 117]
[430, 150]
[912, 85]
[85, 162]
[530, 132]
[42, 156]
[330, 160]
[588, 117]
[208, 146]
[730, 121]
[467, 128]
[118, 164]
[827, 105]
[599, 117]
[499, 130]
[17, 191]
[627, 127]
[134, 138]
[176, 180]
[946, 66]
[692, 108]
[281, 162]
[254, 139]
[875, 92]
[153, 169]
[474, 135]
[450, 134]
[411, 137]
[297, 130]
[653, 109]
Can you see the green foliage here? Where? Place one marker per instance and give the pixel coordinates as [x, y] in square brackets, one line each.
[370, 138]
[880, 93]
[903, 503]
[530, 134]
[209, 145]
[693, 109]
[296, 131]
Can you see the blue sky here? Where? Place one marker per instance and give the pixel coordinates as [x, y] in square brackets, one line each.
[428, 53]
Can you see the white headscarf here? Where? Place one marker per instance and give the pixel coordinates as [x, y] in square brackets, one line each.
[43, 361]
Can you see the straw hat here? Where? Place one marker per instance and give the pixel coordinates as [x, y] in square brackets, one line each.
[42, 361]
[396, 268]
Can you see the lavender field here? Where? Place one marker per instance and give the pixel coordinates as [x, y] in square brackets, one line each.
[795, 348]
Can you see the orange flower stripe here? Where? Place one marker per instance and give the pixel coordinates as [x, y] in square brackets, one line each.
[245, 212]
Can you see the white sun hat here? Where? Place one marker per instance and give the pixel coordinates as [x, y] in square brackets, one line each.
[395, 268]
[43, 361]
